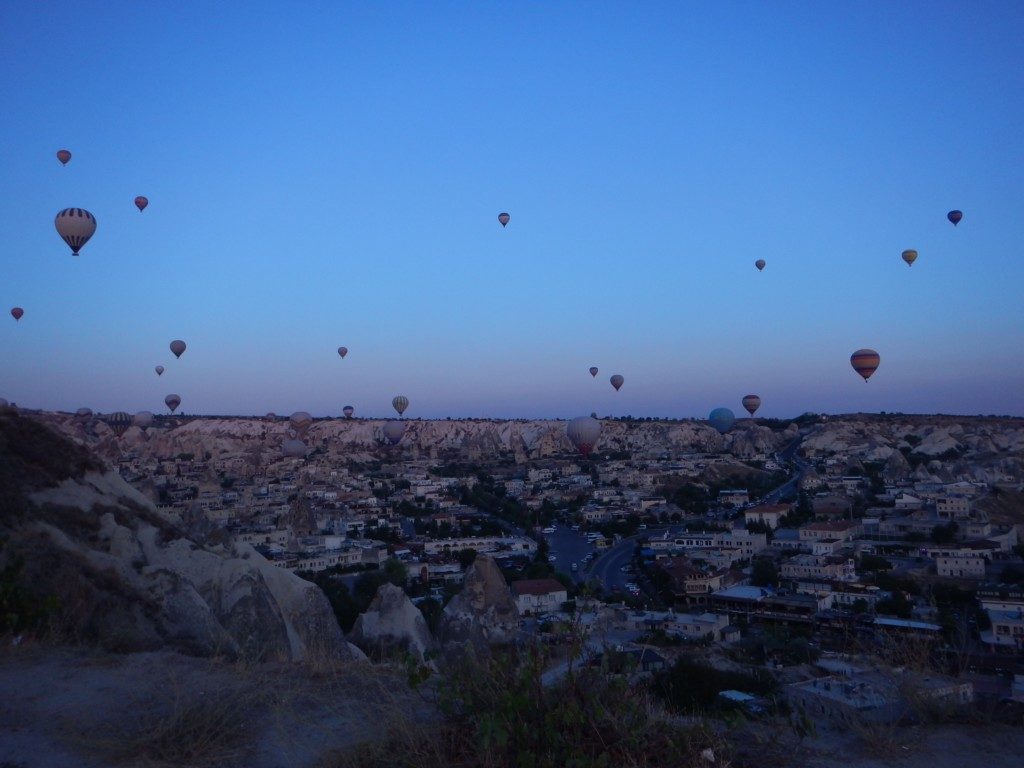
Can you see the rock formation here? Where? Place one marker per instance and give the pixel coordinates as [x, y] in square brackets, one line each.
[482, 614]
[110, 569]
[391, 623]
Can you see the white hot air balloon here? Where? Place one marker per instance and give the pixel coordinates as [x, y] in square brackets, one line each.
[75, 226]
[143, 420]
[583, 432]
[393, 431]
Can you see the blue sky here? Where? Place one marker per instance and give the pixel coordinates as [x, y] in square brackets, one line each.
[329, 173]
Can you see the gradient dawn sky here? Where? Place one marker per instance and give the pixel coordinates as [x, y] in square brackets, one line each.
[326, 174]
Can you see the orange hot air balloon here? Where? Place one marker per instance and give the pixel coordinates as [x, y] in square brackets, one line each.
[760, 263]
[910, 256]
[593, 370]
[141, 203]
[617, 381]
[17, 312]
[865, 362]
[504, 218]
[63, 155]
[955, 216]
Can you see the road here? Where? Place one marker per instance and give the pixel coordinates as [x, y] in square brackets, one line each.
[568, 547]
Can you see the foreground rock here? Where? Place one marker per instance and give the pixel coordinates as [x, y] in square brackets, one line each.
[391, 624]
[482, 614]
[94, 561]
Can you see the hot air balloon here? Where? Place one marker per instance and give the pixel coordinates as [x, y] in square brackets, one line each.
[143, 419]
[910, 256]
[119, 422]
[751, 403]
[583, 433]
[83, 414]
[400, 403]
[141, 203]
[178, 347]
[760, 264]
[159, 370]
[294, 449]
[348, 410]
[271, 416]
[300, 421]
[955, 216]
[865, 362]
[504, 218]
[63, 155]
[172, 401]
[593, 370]
[17, 312]
[342, 351]
[722, 419]
[75, 226]
[617, 381]
[393, 431]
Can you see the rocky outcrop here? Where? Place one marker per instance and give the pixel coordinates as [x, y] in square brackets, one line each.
[112, 570]
[482, 614]
[391, 624]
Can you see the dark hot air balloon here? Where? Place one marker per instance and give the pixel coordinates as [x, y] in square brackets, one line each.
[593, 370]
[583, 433]
[172, 402]
[83, 414]
[910, 256]
[722, 419]
[293, 449]
[141, 203]
[617, 381]
[760, 264]
[955, 216]
[393, 431]
[751, 403]
[348, 410]
[178, 347]
[400, 403]
[119, 422]
[75, 226]
[504, 218]
[865, 362]
[17, 312]
[342, 351]
[63, 155]
[159, 370]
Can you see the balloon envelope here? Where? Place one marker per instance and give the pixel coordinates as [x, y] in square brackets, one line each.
[593, 370]
[751, 403]
[143, 419]
[159, 370]
[722, 419]
[294, 449]
[504, 218]
[348, 410]
[300, 421]
[760, 264]
[343, 351]
[172, 402]
[865, 362]
[17, 312]
[141, 203]
[119, 422]
[617, 381]
[75, 226]
[583, 433]
[955, 216]
[83, 413]
[910, 256]
[63, 155]
[178, 347]
[393, 431]
[400, 403]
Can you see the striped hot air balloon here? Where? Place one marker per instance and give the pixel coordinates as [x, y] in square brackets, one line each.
[119, 422]
[751, 403]
[75, 226]
[400, 403]
[865, 362]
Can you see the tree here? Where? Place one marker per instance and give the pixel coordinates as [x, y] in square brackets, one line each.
[764, 573]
